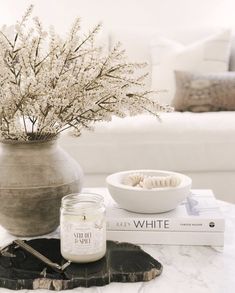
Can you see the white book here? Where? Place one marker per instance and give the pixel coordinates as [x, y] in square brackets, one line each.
[200, 212]
[172, 238]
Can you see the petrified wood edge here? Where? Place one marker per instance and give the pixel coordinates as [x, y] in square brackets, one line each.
[109, 269]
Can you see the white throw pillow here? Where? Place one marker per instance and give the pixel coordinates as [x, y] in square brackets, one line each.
[137, 46]
[209, 55]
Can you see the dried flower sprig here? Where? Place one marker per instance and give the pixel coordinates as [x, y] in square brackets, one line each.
[70, 83]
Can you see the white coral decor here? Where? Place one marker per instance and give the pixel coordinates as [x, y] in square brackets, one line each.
[46, 89]
[149, 182]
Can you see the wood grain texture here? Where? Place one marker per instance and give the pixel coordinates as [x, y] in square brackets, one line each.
[123, 262]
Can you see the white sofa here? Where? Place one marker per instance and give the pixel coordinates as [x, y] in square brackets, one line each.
[201, 145]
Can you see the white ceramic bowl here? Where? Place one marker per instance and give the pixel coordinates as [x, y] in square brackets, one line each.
[157, 200]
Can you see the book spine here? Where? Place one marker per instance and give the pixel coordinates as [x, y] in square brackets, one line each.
[166, 224]
[173, 238]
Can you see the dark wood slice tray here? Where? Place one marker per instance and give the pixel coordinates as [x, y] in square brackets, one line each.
[123, 262]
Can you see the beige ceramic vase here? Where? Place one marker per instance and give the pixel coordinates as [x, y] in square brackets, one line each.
[34, 176]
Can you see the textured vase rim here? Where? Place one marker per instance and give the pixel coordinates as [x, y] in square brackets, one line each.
[33, 141]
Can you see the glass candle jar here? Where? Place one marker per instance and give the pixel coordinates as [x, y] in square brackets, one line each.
[83, 227]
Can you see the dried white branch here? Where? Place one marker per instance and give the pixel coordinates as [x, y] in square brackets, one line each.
[69, 83]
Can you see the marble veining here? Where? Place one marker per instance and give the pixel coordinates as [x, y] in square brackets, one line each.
[194, 269]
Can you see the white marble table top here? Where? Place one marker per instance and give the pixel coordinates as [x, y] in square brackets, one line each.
[186, 269]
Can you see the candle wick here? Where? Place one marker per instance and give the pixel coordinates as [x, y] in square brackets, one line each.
[84, 217]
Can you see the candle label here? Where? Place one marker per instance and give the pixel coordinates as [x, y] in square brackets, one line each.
[83, 237]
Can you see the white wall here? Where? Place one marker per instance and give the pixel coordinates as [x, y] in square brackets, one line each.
[163, 14]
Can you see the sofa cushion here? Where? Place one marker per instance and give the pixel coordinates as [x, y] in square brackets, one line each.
[137, 46]
[204, 92]
[208, 55]
[182, 141]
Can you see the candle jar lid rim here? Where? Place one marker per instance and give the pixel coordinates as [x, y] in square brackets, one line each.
[74, 201]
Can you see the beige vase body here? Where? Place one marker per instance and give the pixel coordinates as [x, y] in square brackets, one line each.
[34, 176]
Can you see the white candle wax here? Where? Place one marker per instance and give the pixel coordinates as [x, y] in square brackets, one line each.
[83, 229]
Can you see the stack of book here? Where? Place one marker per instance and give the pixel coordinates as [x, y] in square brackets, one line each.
[196, 221]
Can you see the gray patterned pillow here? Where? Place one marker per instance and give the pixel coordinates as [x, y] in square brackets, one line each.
[204, 92]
